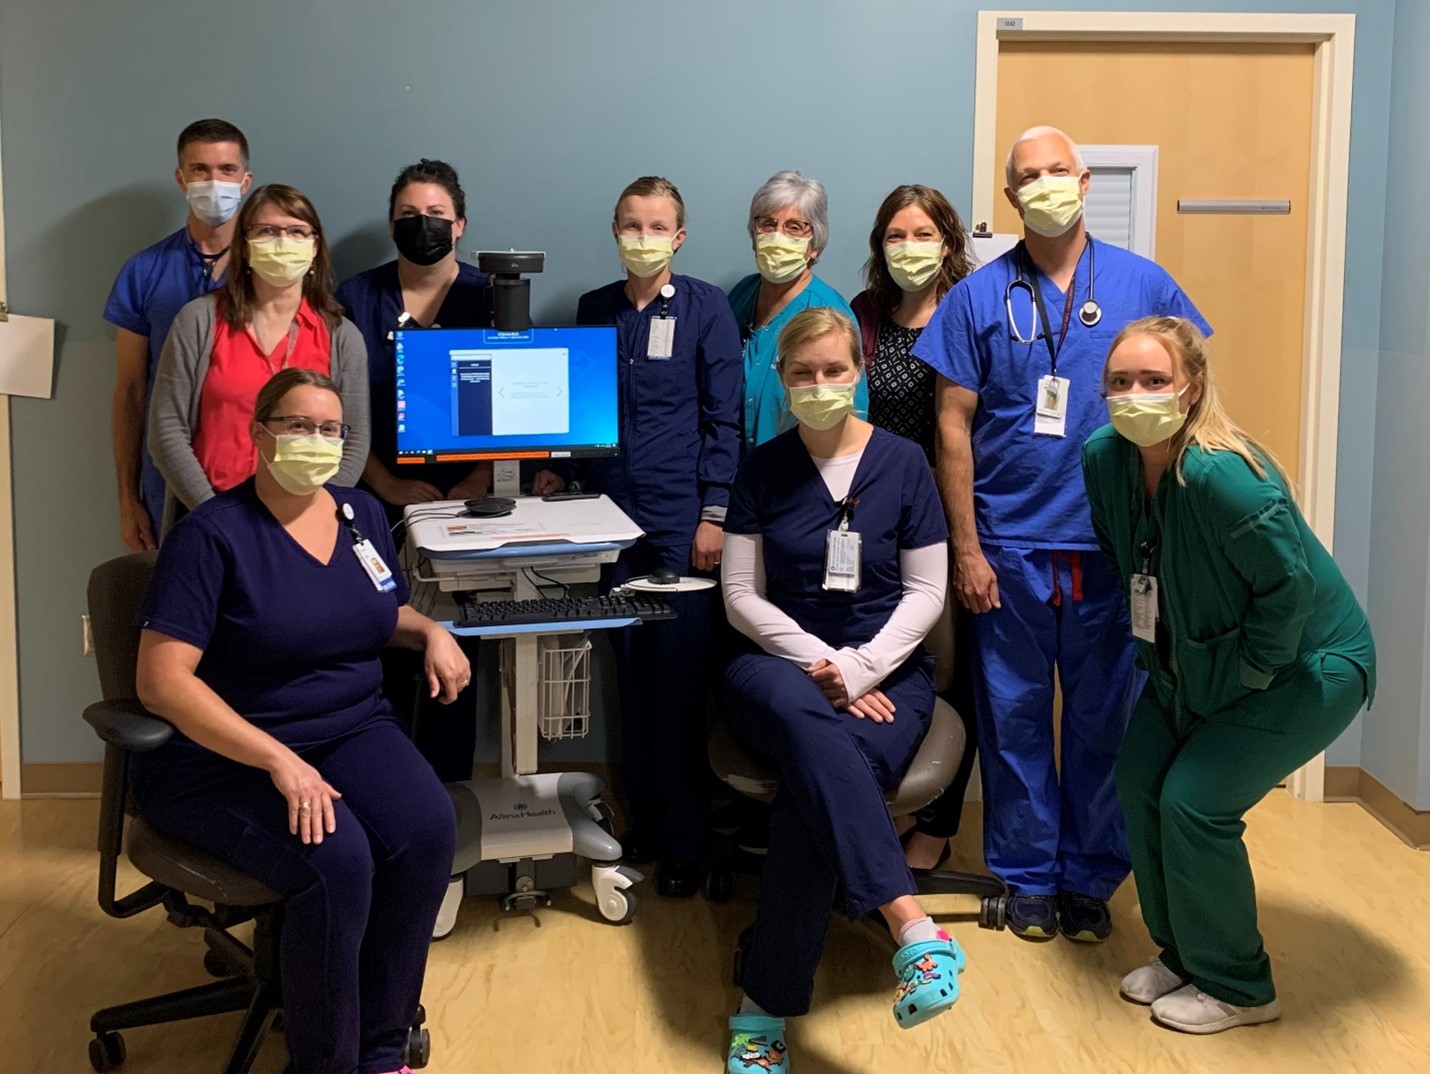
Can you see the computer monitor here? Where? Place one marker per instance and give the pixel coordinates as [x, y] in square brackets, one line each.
[467, 394]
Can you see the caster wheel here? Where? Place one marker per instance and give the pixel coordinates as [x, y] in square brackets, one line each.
[604, 818]
[215, 966]
[419, 1048]
[993, 913]
[106, 1052]
[719, 886]
[620, 908]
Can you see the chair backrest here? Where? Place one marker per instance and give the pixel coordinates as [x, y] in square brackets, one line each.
[116, 591]
[940, 643]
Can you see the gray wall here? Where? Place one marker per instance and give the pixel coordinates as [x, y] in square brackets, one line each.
[1396, 735]
[547, 107]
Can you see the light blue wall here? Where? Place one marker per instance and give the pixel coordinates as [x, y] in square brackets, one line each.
[547, 107]
[1396, 736]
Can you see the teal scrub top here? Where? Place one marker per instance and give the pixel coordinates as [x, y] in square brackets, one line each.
[766, 405]
[1245, 588]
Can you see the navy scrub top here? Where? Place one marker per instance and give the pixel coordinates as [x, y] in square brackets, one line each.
[679, 416]
[373, 302]
[781, 497]
[291, 643]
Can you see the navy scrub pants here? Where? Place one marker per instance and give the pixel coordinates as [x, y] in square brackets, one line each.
[830, 828]
[360, 906]
[662, 671]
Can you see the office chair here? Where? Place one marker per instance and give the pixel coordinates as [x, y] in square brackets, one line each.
[928, 776]
[177, 872]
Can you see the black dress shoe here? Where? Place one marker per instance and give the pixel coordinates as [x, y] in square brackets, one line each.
[677, 878]
[635, 850]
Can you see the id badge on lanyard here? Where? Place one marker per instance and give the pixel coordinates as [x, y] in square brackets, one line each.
[372, 563]
[843, 553]
[1143, 600]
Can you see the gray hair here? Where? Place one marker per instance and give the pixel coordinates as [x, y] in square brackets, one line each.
[806, 195]
[1032, 134]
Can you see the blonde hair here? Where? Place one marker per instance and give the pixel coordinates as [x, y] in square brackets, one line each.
[816, 323]
[1208, 425]
[652, 186]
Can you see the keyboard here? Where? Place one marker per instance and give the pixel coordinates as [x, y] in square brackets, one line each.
[497, 613]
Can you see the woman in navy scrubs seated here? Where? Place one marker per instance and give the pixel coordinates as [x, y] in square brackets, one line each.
[427, 285]
[261, 632]
[835, 567]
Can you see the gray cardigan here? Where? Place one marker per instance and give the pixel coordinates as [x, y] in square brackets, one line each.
[174, 403]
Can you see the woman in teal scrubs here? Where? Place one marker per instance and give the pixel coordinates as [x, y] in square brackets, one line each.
[789, 228]
[1258, 657]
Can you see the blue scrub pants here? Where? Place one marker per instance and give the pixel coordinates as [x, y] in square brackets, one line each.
[829, 826]
[1062, 609]
[360, 905]
[662, 671]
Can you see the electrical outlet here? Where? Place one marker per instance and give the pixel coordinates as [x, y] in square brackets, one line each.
[88, 638]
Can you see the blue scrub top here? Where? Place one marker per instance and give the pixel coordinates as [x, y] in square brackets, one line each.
[766, 405]
[292, 644]
[1028, 489]
[149, 291]
[373, 302]
[781, 497]
[679, 416]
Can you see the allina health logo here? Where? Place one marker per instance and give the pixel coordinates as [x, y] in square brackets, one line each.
[523, 813]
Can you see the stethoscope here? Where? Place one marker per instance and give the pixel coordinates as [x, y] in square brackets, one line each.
[1090, 313]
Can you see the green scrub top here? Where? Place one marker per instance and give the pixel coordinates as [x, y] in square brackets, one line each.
[1245, 588]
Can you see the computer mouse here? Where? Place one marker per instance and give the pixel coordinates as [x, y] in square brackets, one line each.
[664, 576]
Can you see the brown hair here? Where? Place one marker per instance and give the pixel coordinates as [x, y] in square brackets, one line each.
[653, 186]
[816, 323]
[283, 382]
[957, 256]
[212, 132]
[1208, 425]
[236, 304]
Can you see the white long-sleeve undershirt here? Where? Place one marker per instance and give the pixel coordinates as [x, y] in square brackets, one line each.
[923, 574]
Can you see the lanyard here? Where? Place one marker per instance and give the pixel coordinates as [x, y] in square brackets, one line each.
[846, 511]
[1043, 313]
[287, 353]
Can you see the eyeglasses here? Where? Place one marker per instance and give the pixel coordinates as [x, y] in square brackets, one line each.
[298, 232]
[795, 229]
[298, 425]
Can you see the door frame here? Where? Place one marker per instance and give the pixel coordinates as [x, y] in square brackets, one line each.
[9, 639]
[1333, 39]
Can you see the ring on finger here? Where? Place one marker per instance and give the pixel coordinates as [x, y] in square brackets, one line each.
[305, 807]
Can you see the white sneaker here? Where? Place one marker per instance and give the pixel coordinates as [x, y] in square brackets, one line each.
[1149, 983]
[1193, 1011]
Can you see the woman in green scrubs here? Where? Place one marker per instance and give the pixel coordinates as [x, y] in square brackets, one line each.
[1257, 653]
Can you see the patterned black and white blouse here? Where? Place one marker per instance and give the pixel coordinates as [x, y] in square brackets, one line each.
[901, 387]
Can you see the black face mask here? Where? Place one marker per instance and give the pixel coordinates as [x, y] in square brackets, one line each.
[423, 240]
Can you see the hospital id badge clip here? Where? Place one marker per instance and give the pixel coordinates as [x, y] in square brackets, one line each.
[372, 563]
[1144, 607]
[843, 550]
[1050, 413]
[661, 345]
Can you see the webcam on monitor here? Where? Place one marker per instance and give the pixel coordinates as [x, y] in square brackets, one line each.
[510, 262]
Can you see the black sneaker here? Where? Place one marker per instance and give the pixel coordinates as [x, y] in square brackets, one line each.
[1083, 918]
[1033, 917]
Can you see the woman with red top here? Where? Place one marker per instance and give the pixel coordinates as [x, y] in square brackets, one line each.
[276, 311]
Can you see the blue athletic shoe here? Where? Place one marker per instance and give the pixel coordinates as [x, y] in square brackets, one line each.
[928, 979]
[1084, 918]
[1033, 917]
[757, 1043]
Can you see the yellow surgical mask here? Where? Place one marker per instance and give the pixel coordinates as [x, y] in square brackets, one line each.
[821, 406]
[282, 260]
[779, 257]
[913, 264]
[1051, 204]
[645, 255]
[1147, 418]
[304, 464]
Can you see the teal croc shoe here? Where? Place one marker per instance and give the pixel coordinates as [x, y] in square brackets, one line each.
[928, 979]
[757, 1043]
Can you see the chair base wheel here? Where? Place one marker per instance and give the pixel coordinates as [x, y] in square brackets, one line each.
[106, 1052]
[993, 913]
[419, 1048]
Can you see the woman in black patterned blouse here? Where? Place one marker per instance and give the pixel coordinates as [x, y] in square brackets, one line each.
[918, 249]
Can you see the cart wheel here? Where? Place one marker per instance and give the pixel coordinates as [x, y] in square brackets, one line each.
[106, 1052]
[993, 913]
[719, 885]
[619, 907]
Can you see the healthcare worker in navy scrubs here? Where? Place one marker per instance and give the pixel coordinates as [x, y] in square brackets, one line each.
[426, 287]
[681, 380]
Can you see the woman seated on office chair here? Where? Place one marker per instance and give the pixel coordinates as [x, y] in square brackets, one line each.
[835, 567]
[262, 627]
[275, 312]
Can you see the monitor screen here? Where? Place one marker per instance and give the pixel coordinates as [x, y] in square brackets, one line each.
[465, 394]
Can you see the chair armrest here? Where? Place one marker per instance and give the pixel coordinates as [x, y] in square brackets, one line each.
[128, 725]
